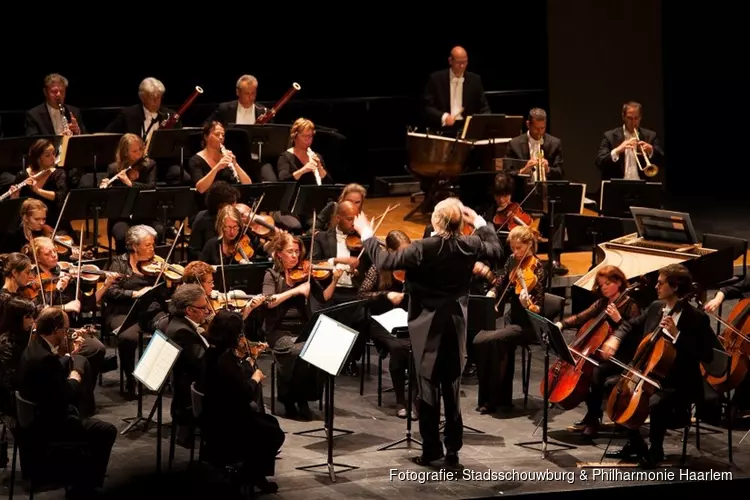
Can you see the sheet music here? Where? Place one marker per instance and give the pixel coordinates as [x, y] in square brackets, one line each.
[157, 361]
[395, 318]
[329, 345]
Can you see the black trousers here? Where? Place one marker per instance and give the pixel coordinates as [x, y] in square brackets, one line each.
[398, 350]
[495, 353]
[355, 318]
[598, 388]
[668, 408]
[127, 343]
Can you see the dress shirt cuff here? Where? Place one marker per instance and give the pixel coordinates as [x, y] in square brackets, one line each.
[614, 156]
[443, 118]
[366, 234]
[330, 261]
[479, 221]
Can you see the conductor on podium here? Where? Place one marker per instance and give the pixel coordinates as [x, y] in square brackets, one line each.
[438, 276]
[453, 94]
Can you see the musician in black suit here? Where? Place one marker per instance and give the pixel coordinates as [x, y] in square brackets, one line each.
[453, 94]
[438, 274]
[243, 110]
[188, 311]
[46, 118]
[54, 386]
[689, 329]
[616, 158]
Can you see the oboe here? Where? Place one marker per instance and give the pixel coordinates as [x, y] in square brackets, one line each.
[231, 165]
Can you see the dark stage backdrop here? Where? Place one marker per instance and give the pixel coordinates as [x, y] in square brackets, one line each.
[602, 54]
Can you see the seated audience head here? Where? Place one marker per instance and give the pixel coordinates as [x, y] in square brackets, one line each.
[674, 280]
[247, 90]
[140, 241]
[225, 329]
[447, 218]
[199, 273]
[458, 61]
[354, 193]
[631, 115]
[189, 301]
[219, 195]
[52, 324]
[55, 89]
[301, 134]
[522, 241]
[42, 155]
[287, 251]
[151, 91]
[537, 123]
[610, 282]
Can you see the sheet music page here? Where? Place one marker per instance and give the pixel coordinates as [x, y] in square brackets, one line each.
[158, 358]
[329, 345]
[395, 318]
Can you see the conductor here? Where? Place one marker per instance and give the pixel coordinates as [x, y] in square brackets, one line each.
[438, 275]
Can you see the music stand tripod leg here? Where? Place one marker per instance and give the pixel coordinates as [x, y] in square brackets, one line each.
[408, 440]
[330, 465]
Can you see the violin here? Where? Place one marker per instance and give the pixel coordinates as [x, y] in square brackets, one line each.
[524, 278]
[354, 242]
[75, 338]
[735, 339]
[482, 270]
[64, 244]
[512, 215]
[89, 272]
[156, 264]
[320, 271]
[247, 349]
[568, 385]
[243, 250]
[628, 403]
[263, 226]
[399, 276]
[235, 300]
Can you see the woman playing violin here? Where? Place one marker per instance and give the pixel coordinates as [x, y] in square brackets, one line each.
[132, 169]
[203, 227]
[688, 330]
[200, 273]
[231, 246]
[17, 271]
[609, 286]
[214, 163]
[522, 284]
[119, 298]
[298, 382]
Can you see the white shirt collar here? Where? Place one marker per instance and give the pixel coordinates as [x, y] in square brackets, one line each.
[531, 139]
[53, 348]
[149, 114]
[455, 78]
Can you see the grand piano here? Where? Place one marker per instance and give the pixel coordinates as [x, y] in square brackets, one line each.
[663, 237]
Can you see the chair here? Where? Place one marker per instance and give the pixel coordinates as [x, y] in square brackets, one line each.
[553, 309]
[739, 250]
[26, 415]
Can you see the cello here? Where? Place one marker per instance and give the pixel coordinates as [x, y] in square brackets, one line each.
[735, 339]
[628, 403]
[569, 384]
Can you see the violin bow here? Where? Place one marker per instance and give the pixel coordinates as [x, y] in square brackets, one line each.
[38, 276]
[377, 226]
[510, 279]
[312, 246]
[517, 208]
[223, 276]
[251, 217]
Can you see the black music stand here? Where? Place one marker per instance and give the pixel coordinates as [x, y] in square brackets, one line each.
[15, 150]
[491, 127]
[278, 195]
[587, 231]
[164, 204]
[618, 195]
[549, 336]
[170, 143]
[262, 141]
[327, 347]
[91, 150]
[315, 198]
[245, 277]
[136, 310]
[97, 203]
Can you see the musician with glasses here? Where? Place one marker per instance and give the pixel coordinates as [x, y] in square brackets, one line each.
[46, 119]
[300, 163]
[616, 158]
[688, 329]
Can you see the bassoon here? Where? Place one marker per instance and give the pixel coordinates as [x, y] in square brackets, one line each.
[172, 120]
[271, 112]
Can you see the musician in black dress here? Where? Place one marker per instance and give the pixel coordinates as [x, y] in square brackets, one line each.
[139, 244]
[234, 423]
[203, 227]
[300, 163]
[297, 381]
[438, 273]
[16, 322]
[213, 164]
[386, 292]
[609, 285]
[223, 249]
[688, 329]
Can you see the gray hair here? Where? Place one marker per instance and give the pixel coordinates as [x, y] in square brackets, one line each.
[447, 218]
[247, 78]
[151, 86]
[183, 297]
[55, 78]
[538, 114]
[136, 235]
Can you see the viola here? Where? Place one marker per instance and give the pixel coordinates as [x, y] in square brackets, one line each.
[512, 216]
[156, 264]
[320, 271]
[568, 385]
[628, 403]
[735, 339]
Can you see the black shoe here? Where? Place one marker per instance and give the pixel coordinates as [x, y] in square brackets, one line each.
[630, 451]
[290, 411]
[558, 269]
[656, 454]
[304, 410]
[451, 458]
[426, 460]
[266, 486]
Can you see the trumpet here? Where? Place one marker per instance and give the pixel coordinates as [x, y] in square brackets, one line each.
[231, 165]
[540, 175]
[650, 170]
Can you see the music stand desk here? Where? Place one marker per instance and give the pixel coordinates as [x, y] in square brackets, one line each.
[96, 203]
[15, 150]
[90, 152]
[261, 141]
[618, 195]
[246, 277]
[315, 198]
[278, 195]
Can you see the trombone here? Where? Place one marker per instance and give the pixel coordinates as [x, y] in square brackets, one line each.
[650, 170]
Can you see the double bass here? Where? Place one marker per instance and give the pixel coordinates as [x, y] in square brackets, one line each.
[569, 384]
[628, 403]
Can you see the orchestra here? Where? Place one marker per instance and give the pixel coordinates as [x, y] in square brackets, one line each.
[236, 280]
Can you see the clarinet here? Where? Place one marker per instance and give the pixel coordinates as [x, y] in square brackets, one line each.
[231, 166]
[66, 126]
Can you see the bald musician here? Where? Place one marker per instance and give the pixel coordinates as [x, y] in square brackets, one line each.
[452, 94]
[243, 110]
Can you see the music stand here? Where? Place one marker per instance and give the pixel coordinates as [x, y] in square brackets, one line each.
[587, 231]
[167, 203]
[618, 195]
[246, 277]
[94, 150]
[15, 150]
[327, 348]
[170, 143]
[278, 195]
[262, 141]
[315, 198]
[97, 203]
[491, 126]
[549, 336]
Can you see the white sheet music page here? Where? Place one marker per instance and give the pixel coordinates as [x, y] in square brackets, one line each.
[158, 358]
[395, 318]
[329, 345]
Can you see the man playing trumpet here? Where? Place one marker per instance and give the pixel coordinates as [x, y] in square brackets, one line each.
[617, 157]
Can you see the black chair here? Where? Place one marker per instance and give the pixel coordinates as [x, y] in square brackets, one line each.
[739, 250]
[553, 309]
